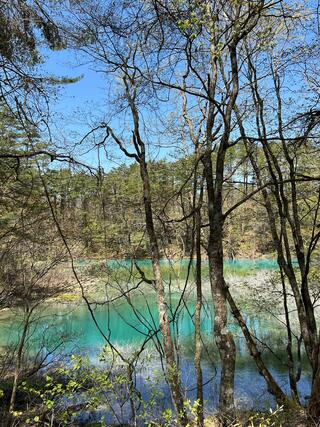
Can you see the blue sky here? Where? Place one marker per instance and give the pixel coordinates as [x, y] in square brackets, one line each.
[78, 106]
[88, 89]
[75, 106]
[84, 95]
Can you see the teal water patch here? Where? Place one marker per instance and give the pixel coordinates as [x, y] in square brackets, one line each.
[128, 324]
[236, 264]
[181, 268]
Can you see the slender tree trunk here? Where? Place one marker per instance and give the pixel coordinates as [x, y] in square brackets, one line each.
[289, 223]
[223, 337]
[273, 387]
[172, 374]
[293, 378]
[198, 340]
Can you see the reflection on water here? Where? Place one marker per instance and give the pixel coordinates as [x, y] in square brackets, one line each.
[129, 325]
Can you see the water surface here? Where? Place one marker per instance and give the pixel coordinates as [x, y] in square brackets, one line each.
[127, 324]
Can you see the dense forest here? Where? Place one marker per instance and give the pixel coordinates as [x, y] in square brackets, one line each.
[159, 253]
[101, 212]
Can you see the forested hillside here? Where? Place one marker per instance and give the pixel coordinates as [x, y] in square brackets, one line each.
[101, 212]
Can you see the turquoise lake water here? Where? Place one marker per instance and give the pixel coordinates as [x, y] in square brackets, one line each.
[236, 265]
[127, 326]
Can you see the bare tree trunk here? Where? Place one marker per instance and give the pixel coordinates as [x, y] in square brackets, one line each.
[293, 377]
[172, 371]
[196, 241]
[198, 339]
[287, 228]
[223, 337]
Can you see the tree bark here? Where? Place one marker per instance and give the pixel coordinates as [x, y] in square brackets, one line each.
[172, 374]
[223, 338]
[198, 339]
